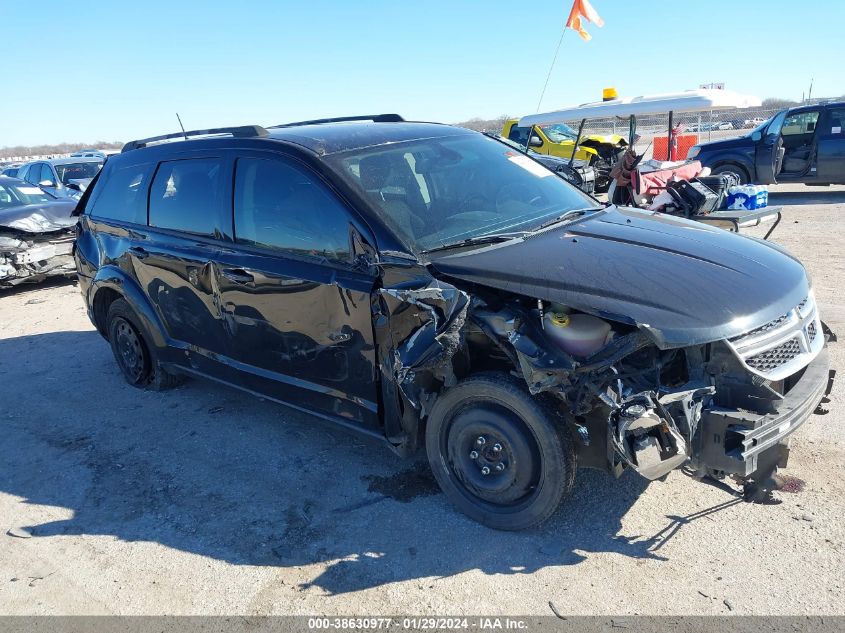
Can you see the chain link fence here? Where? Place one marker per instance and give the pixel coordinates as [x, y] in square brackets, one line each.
[691, 128]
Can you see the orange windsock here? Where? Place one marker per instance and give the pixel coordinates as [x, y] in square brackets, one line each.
[582, 9]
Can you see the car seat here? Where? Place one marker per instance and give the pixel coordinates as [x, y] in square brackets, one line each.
[375, 173]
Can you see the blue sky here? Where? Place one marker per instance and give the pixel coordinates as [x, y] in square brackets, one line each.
[119, 70]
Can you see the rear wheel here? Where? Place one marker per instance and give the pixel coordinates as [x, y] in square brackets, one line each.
[498, 453]
[135, 357]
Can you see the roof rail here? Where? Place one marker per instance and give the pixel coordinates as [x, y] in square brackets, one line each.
[242, 131]
[375, 118]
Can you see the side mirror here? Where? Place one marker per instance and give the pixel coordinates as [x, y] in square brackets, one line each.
[756, 136]
[535, 141]
[46, 183]
[74, 186]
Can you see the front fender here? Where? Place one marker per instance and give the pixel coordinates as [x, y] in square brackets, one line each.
[113, 278]
[720, 158]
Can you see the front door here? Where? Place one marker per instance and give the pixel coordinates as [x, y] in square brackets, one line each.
[296, 312]
[769, 151]
[831, 152]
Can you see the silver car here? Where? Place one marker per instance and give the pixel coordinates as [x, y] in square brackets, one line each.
[62, 177]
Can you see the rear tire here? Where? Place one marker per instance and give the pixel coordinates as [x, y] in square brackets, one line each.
[736, 170]
[500, 455]
[134, 355]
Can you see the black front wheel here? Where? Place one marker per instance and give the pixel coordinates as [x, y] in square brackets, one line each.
[500, 455]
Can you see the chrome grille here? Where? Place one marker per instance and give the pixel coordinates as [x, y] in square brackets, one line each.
[773, 358]
[782, 346]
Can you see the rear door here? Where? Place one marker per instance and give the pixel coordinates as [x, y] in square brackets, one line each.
[769, 151]
[831, 151]
[296, 312]
[187, 224]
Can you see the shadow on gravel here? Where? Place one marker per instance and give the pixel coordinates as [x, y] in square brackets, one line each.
[215, 473]
[30, 287]
[811, 195]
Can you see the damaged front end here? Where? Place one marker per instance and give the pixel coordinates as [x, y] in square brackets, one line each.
[36, 242]
[26, 257]
[723, 408]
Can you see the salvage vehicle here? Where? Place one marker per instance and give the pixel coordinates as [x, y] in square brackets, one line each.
[558, 139]
[62, 177]
[429, 286]
[37, 232]
[805, 144]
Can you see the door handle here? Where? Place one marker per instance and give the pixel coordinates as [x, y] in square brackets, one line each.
[139, 251]
[238, 276]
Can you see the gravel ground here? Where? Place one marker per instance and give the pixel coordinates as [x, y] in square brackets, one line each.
[204, 500]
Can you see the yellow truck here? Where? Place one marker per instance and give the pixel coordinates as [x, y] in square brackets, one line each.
[558, 139]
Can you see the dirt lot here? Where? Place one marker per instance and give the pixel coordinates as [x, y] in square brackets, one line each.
[204, 500]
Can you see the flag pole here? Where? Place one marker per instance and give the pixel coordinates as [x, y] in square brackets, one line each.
[551, 68]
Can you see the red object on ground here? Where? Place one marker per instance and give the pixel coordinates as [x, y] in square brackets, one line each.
[682, 147]
[651, 183]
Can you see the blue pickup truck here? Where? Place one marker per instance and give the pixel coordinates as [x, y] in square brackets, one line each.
[804, 144]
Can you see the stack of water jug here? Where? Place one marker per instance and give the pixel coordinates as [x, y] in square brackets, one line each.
[747, 197]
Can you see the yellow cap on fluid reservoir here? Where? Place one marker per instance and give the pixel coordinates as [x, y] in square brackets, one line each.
[559, 319]
[608, 94]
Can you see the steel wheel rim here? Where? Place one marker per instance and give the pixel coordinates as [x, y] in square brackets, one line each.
[130, 350]
[493, 456]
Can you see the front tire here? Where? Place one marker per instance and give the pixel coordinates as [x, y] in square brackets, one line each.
[738, 172]
[501, 456]
[134, 355]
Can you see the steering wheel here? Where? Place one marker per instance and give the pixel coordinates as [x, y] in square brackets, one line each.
[516, 193]
[465, 204]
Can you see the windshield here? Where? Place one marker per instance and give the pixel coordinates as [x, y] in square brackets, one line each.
[560, 132]
[17, 195]
[439, 192]
[72, 171]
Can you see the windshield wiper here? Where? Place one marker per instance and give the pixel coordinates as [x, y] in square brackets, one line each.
[489, 238]
[569, 215]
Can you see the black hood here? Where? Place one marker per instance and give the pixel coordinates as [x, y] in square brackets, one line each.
[728, 143]
[44, 217]
[681, 281]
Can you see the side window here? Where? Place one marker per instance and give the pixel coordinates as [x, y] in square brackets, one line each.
[122, 195]
[519, 135]
[46, 174]
[283, 207]
[800, 123]
[22, 172]
[837, 119]
[186, 195]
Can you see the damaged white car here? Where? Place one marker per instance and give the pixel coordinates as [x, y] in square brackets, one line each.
[37, 232]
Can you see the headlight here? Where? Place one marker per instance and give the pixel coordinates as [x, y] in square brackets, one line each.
[693, 151]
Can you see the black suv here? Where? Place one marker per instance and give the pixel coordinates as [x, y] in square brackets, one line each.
[433, 287]
[802, 145]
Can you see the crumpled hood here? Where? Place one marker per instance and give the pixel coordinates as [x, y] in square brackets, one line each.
[39, 218]
[681, 281]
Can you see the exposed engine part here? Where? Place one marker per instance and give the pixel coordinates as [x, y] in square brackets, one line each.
[34, 257]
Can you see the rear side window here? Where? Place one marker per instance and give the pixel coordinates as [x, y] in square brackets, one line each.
[186, 195]
[123, 195]
[280, 206]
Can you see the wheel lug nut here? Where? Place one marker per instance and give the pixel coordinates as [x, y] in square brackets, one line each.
[500, 466]
[481, 441]
[497, 447]
[485, 470]
[473, 455]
